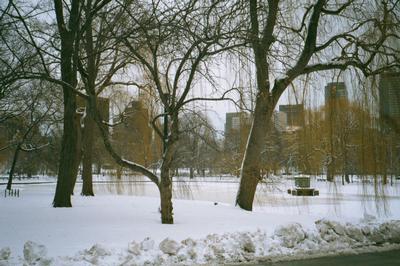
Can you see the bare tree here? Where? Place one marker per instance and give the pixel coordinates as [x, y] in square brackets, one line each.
[57, 56]
[197, 145]
[99, 62]
[32, 126]
[68, 30]
[325, 35]
[172, 42]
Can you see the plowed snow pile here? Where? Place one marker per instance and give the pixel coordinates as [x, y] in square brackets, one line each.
[287, 242]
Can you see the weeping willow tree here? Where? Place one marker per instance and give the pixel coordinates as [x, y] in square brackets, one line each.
[323, 36]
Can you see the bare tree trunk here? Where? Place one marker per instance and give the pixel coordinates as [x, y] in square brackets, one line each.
[330, 172]
[14, 163]
[264, 106]
[330, 175]
[347, 178]
[87, 159]
[78, 157]
[166, 195]
[346, 167]
[67, 170]
[266, 98]
[119, 172]
[166, 179]
[250, 174]
[98, 168]
[89, 123]
[191, 172]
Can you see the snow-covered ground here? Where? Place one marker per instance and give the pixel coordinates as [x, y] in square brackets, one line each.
[121, 225]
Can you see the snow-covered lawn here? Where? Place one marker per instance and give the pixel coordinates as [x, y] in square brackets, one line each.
[125, 229]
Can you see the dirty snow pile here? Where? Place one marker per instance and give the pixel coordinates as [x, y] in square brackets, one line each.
[291, 241]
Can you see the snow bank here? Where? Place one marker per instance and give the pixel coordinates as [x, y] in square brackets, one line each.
[5, 253]
[287, 242]
[33, 254]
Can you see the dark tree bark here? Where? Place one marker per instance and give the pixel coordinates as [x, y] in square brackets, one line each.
[14, 163]
[21, 140]
[267, 98]
[330, 172]
[89, 124]
[87, 157]
[78, 151]
[166, 195]
[191, 172]
[250, 172]
[67, 170]
[165, 185]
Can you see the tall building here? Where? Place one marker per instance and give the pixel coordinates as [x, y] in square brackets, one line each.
[279, 119]
[133, 137]
[389, 98]
[237, 126]
[232, 121]
[103, 106]
[335, 91]
[99, 153]
[294, 114]
[236, 121]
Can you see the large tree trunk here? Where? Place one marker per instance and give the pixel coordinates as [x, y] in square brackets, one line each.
[87, 159]
[347, 178]
[87, 188]
[250, 172]
[14, 163]
[191, 172]
[166, 196]
[166, 178]
[78, 151]
[68, 168]
[264, 106]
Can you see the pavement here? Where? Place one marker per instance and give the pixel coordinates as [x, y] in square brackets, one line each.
[385, 258]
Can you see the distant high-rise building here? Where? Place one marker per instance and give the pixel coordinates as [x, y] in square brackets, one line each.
[335, 91]
[237, 126]
[232, 121]
[294, 114]
[133, 137]
[103, 106]
[389, 98]
[99, 152]
[279, 120]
